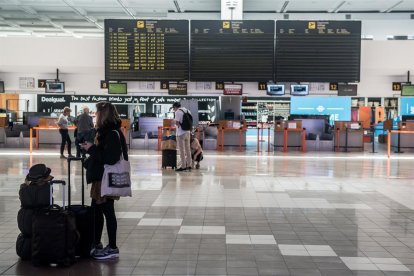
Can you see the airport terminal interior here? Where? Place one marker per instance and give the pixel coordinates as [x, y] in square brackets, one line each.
[304, 111]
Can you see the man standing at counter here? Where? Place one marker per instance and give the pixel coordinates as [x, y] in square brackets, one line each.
[183, 136]
[64, 132]
[84, 124]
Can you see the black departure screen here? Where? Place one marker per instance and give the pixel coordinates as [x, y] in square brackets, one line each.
[318, 51]
[146, 49]
[232, 50]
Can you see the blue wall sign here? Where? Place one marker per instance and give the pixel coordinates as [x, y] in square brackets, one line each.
[339, 108]
[407, 106]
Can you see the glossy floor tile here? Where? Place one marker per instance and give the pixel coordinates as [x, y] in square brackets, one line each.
[241, 213]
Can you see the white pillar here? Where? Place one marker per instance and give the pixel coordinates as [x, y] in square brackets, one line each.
[231, 9]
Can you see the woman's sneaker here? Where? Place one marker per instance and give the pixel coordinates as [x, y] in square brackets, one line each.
[106, 253]
[97, 247]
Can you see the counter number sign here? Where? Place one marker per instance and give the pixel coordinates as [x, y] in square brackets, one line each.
[333, 86]
[41, 83]
[396, 86]
[104, 84]
[219, 85]
[164, 84]
[262, 86]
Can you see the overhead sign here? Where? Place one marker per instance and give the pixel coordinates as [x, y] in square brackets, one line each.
[177, 88]
[347, 90]
[339, 108]
[233, 89]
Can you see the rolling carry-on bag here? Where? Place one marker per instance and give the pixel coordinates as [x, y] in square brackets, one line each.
[85, 216]
[54, 236]
[169, 158]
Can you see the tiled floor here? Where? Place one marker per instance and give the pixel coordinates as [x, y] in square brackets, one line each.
[243, 214]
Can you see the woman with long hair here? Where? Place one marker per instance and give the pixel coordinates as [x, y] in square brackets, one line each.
[109, 145]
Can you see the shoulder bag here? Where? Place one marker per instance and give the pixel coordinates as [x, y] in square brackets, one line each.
[116, 180]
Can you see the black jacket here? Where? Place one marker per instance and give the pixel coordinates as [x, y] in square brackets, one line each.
[107, 151]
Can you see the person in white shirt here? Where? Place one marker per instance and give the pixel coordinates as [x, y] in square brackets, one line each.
[64, 132]
[183, 138]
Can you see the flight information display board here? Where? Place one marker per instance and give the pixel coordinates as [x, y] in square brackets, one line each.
[318, 51]
[232, 50]
[146, 49]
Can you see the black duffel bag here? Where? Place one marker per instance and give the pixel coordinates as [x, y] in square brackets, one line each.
[24, 247]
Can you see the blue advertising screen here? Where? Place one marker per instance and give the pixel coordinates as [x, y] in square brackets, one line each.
[407, 106]
[339, 108]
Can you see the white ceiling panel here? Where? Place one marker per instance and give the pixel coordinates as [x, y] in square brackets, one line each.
[369, 5]
[405, 6]
[263, 5]
[199, 5]
[312, 6]
[71, 17]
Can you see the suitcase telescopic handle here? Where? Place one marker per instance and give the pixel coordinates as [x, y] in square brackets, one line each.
[82, 159]
[55, 182]
[75, 159]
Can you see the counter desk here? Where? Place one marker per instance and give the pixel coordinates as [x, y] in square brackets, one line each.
[49, 135]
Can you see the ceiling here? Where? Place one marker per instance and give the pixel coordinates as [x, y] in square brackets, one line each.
[84, 18]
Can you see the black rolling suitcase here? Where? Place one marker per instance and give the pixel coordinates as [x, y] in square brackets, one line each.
[54, 232]
[169, 159]
[85, 217]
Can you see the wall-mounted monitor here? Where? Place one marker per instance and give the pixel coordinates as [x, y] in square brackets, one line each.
[1, 86]
[55, 87]
[276, 89]
[407, 90]
[117, 88]
[299, 89]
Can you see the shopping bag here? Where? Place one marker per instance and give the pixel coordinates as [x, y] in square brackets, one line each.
[116, 180]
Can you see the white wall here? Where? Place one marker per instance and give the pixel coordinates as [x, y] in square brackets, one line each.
[81, 65]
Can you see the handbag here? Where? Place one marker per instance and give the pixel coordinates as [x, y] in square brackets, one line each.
[116, 180]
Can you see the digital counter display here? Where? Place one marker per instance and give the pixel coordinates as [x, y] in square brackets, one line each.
[318, 51]
[232, 50]
[146, 50]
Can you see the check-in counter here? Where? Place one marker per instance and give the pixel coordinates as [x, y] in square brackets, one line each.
[48, 132]
[403, 139]
[349, 136]
[231, 133]
[4, 120]
[288, 134]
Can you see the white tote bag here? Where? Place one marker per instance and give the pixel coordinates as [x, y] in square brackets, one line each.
[116, 180]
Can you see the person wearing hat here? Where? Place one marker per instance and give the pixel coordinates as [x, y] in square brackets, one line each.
[183, 138]
[64, 132]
